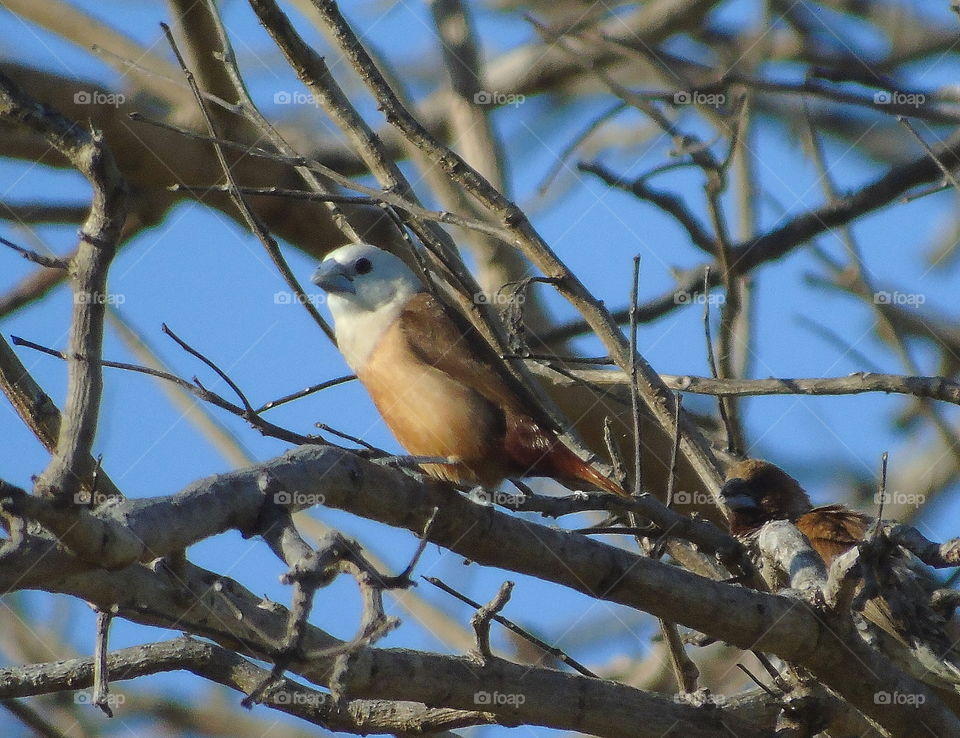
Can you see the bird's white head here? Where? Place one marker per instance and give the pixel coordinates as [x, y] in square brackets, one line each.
[366, 288]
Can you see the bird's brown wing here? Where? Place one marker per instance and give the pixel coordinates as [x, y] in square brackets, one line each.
[442, 338]
[833, 530]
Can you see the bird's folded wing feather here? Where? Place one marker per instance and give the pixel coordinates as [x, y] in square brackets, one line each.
[833, 529]
[445, 340]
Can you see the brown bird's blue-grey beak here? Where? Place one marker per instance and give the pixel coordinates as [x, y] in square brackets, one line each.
[333, 277]
[737, 495]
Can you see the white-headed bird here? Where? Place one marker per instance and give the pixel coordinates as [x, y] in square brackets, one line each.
[440, 387]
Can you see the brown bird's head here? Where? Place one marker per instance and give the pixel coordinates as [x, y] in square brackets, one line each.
[757, 492]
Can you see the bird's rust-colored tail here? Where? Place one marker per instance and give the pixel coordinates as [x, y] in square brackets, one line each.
[568, 465]
[592, 476]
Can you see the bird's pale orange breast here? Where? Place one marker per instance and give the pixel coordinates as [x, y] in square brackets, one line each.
[431, 413]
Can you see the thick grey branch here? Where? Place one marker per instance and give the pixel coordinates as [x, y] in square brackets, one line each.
[826, 645]
[220, 665]
[224, 611]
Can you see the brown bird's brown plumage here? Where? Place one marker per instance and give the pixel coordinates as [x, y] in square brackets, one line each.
[757, 492]
[439, 386]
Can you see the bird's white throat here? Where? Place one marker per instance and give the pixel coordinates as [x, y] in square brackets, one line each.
[360, 329]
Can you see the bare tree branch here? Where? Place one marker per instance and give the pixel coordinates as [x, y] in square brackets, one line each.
[71, 463]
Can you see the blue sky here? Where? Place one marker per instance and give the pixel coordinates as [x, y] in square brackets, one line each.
[211, 282]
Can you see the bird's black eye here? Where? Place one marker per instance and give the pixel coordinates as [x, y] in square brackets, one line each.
[363, 265]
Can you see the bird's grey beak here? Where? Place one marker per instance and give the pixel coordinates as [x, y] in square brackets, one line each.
[736, 495]
[332, 277]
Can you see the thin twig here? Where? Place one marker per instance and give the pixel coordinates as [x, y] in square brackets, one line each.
[756, 681]
[616, 530]
[421, 547]
[40, 414]
[674, 456]
[881, 493]
[935, 388]
[42, 212]
[668, 203]
[712, 361]
[347, 437]
[304, 392]
[575, 143]
[634, 390]
[265, 427]
[516, 629]
[210, 363]
[198, 190]
[377, 196]
[51, 262]
[252, 219]
[947, 173]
